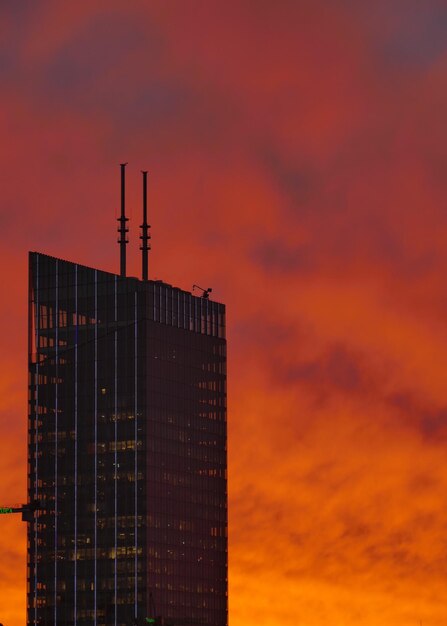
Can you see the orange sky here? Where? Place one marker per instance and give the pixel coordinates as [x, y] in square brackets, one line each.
[297, 159]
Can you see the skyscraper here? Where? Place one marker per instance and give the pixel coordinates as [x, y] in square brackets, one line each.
[127, 450]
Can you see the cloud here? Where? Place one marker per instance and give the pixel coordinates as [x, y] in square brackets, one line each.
[296, 157]
[414, 37]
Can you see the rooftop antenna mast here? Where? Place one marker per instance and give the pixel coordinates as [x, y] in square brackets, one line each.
[145, 245]
[123, 230]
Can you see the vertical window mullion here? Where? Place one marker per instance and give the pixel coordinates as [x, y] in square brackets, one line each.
[75, 616]
[116, 454]
[136, 453]
[96, 453]
[36, 431]
[56, 411]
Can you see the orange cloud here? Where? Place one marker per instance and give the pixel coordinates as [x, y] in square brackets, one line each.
[296, 165]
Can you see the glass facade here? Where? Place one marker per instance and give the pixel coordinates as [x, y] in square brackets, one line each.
[127, 450]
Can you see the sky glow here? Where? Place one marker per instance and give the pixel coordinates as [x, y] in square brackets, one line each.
[297, 165]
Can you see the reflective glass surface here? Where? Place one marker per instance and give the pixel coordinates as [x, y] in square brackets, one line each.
[127, 450]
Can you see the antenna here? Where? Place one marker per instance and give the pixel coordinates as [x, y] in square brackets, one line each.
[145, 245]
[123, 241]
[205, 292]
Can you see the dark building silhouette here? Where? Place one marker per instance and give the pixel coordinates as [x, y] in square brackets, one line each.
[127, 450]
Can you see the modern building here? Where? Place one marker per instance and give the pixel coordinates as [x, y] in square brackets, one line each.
[127, 450]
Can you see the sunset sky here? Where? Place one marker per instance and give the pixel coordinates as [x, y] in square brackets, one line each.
[297, 157]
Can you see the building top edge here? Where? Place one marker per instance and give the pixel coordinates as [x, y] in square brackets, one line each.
[125, 278]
